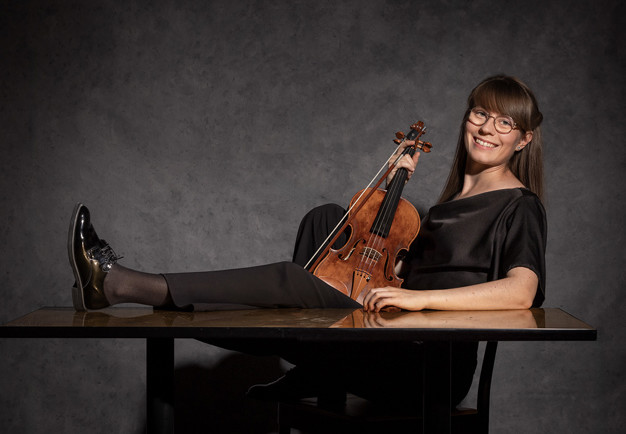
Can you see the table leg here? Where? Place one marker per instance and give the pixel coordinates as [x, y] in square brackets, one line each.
[436, 390]
[160, 385]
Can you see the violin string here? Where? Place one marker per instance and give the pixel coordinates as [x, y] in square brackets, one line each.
[369, 258]
[366, 264]
[396, 188]
[386, 214]
[332, 233]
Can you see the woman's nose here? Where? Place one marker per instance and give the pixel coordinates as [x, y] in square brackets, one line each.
[489, 127]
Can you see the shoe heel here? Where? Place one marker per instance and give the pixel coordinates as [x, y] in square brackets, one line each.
[77, 300]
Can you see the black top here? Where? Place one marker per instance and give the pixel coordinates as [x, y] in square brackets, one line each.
[475, 240]
[479, 239]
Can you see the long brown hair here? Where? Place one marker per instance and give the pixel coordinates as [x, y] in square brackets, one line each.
[508, 96]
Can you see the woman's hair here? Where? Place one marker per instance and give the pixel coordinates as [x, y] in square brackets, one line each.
[507, 96]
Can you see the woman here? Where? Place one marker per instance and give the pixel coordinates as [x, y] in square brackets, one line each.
[481, 247]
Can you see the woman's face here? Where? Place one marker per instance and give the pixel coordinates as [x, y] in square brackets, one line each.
[488, 148]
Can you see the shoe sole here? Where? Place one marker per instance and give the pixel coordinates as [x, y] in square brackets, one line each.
[78, 296]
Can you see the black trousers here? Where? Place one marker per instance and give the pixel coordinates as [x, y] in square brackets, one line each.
[282, 284]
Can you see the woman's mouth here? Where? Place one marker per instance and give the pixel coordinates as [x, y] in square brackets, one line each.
[484, 143]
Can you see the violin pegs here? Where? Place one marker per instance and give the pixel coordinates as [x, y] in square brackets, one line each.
[418, 127]
[425, 146]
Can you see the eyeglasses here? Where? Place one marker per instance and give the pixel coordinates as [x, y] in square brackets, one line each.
[503, 124]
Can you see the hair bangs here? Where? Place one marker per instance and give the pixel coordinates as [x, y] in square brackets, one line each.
[504, 95]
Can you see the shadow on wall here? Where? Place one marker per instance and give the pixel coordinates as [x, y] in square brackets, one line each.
[212, 399]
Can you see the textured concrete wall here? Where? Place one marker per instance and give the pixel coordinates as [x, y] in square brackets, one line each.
[199, 133]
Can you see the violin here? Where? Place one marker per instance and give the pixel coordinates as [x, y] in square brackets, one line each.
[382, 227]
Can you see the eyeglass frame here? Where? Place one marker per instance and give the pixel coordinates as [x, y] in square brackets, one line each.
[489, 116]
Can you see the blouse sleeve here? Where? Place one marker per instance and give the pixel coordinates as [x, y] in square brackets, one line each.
[523, 235]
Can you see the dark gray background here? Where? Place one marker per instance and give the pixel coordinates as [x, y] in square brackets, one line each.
[199, 133]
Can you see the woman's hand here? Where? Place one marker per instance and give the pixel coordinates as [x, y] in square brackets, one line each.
[407, 162]
[377, 299]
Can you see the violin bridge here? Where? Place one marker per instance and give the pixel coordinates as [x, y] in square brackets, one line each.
[371, 254]
[360, 279]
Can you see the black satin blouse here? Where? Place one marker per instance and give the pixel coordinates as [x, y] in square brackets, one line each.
[474, 240]
[479, 239]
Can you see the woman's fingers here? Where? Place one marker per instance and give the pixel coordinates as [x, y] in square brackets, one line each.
[407, 162]
[376, 299]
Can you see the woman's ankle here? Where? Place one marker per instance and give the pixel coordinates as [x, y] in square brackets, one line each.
[123, 285]
[111, 285]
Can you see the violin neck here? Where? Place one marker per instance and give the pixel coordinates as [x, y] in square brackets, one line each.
[387, 210]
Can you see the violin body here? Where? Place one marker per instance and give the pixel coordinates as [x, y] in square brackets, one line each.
[369, 257]
[382, 225]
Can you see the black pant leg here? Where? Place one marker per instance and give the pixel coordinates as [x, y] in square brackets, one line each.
[282, 284]
[315, 226]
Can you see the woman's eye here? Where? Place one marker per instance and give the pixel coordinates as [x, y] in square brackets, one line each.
[505, 122]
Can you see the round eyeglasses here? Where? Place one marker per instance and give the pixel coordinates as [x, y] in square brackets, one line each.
[503, 124]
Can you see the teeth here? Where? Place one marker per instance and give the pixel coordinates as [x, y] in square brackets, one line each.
[486, 144]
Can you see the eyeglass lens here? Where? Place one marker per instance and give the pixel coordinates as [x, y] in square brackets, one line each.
[503, 124]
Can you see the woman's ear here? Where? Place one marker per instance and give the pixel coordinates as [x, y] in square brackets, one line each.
[525, 140]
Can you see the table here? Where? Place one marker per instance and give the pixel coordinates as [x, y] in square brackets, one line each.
[436, 329]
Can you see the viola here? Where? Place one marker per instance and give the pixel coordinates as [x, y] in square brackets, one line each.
[382, 225]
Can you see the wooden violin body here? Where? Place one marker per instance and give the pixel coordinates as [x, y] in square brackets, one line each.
[369, 256]
[381, 227]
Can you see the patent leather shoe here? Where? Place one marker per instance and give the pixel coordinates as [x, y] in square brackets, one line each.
[91, 258]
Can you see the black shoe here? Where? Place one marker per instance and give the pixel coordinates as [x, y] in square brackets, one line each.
[90, 258]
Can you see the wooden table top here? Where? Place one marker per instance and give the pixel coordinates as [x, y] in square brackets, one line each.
[301, 324]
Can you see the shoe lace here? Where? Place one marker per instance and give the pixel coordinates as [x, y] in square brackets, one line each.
[104, 254]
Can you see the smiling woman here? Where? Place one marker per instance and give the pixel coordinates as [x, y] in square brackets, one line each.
[489, 152]
[481, 247]
[509, 98]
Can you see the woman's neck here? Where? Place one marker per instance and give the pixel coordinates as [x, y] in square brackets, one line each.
[486, 180]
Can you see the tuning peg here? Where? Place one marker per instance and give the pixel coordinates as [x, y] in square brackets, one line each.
[400, 135]
[424, 146]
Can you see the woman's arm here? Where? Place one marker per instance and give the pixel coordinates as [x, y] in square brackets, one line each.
[515, 291]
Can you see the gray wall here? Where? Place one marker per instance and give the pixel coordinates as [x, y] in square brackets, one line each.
[200, 132]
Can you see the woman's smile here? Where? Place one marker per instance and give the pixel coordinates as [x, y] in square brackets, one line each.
[483, 143]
